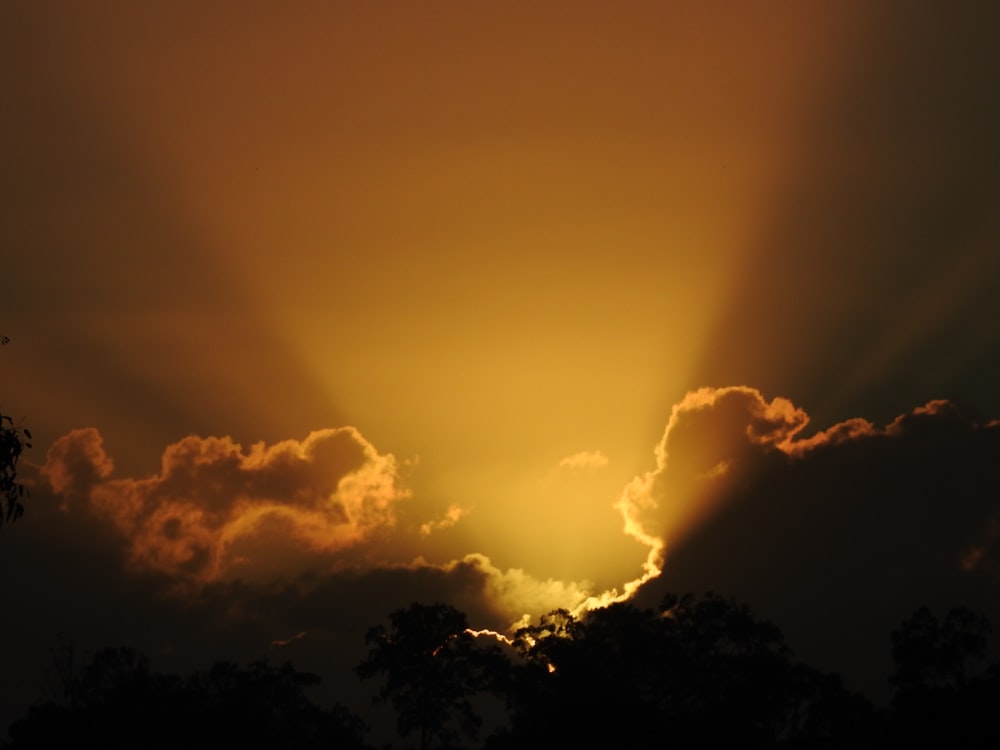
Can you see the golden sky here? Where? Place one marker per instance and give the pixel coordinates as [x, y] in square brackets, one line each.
[297, 286]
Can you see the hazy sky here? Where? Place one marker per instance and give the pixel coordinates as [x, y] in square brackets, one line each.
[317, 308]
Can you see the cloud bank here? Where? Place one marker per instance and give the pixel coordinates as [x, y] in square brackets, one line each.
[283, 514]
[218, 511]
[836, 535]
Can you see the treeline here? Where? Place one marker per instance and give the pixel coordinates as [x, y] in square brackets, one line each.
[708, 672]
[694, 671]
[117, 701]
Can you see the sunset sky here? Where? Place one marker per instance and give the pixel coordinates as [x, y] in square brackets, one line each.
[317, 309]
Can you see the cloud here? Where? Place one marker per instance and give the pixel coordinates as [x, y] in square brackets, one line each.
[516, 593]
[216, 510]
[295, 511]
[711, 433]
[836, 536]
[584, 460]
[76, 462]
[722, 444]
[449, 519]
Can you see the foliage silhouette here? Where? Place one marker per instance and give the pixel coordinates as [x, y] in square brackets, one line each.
[117, 701]
[432, 668]
[697, 671]
[929, 654]
[13, 440]
[943, 689]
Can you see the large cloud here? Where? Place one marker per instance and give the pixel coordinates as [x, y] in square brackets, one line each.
[219, 511]
[711, 433]
[298, 511]
[837, 535]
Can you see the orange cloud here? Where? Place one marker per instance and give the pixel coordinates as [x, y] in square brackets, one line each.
[584, 460]
[451, 516]
[216, 510]
[76, 461]
[843, 432]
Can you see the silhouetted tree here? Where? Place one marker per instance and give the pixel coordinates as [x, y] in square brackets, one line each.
[929, 654]
[117, 701]
[697, 671]
[13, 440]
[240, 706]
[943, 689]
[102, 705]
[431, 668]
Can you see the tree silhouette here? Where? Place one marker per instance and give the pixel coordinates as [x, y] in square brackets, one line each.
[13, 440]
[117, 701]
[696, 671]
[929, 654]
[432, 667]
[943, 689]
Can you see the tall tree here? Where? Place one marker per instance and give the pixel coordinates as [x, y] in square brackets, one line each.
[432, 667]
[13, 440]
[944, 690]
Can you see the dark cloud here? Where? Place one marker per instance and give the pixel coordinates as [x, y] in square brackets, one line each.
[837, 536]
[711, 437]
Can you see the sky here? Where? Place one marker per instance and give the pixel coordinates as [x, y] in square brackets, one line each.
[317, 309]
